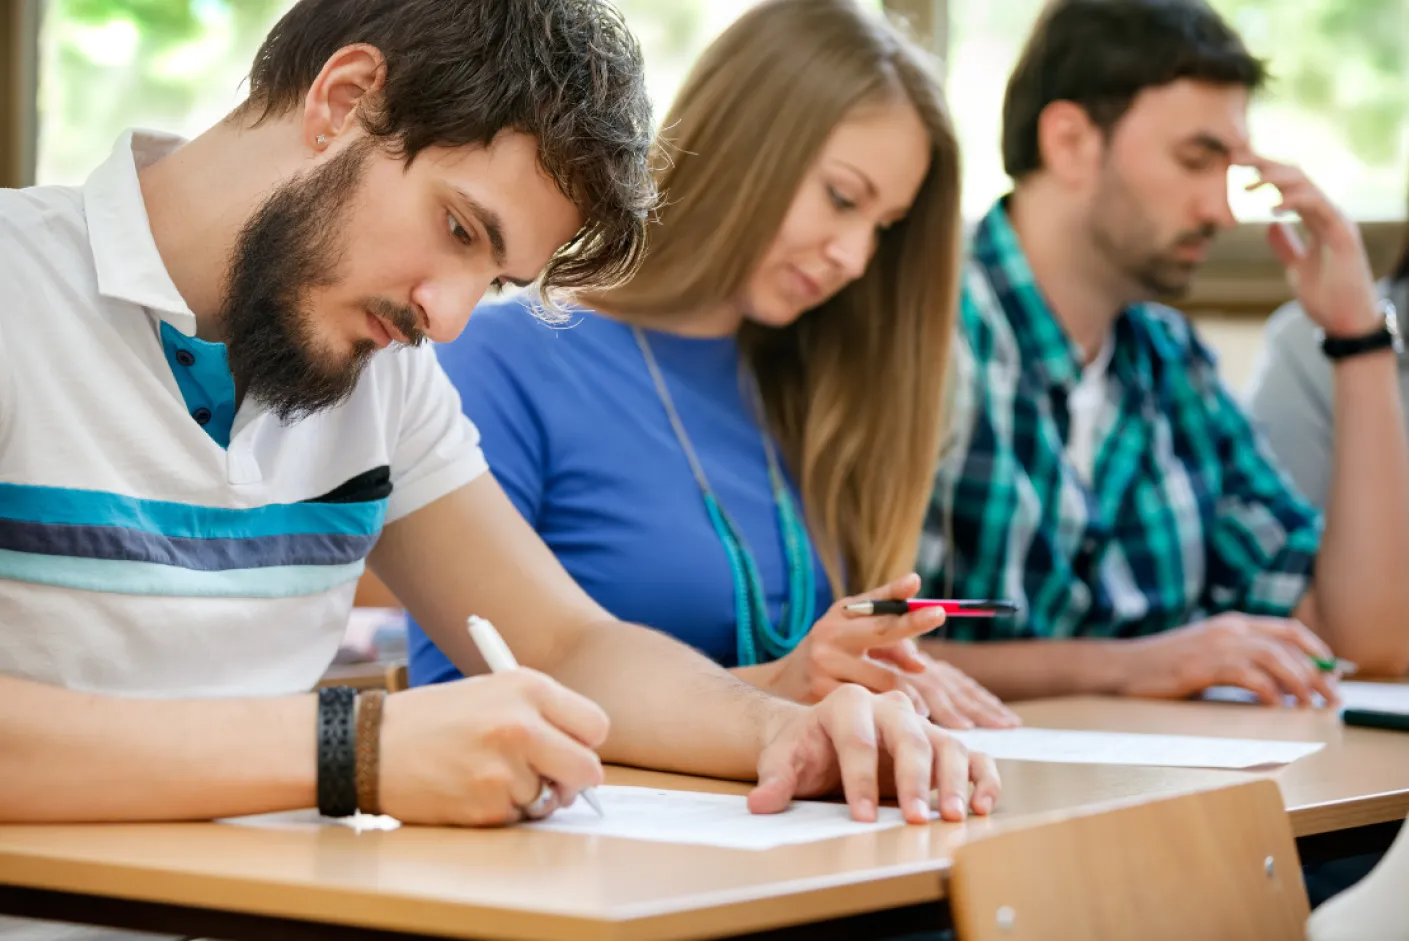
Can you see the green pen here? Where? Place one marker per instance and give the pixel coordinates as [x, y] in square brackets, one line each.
[1334, 665]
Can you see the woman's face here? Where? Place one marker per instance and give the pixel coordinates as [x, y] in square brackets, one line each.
[864, 180]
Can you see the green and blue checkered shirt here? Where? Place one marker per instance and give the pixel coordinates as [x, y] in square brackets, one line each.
[1186, 516]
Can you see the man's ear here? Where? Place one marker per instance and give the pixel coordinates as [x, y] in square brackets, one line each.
[347, 79]
[1069, 143]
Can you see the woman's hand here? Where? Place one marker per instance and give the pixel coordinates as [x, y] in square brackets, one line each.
[879, 653]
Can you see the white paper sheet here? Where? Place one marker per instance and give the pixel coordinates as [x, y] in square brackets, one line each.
[310, 818]
[1378, 697]
[1123, 748]
[640, 813]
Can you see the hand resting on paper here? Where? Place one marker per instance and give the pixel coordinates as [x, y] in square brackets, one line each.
[1272, 657]
[865, 744]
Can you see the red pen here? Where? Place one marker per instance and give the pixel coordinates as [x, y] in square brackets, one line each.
[958, 609]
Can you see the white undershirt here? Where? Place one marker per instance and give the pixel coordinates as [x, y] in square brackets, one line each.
[1084, 410]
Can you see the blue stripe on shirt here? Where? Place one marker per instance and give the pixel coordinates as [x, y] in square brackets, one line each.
[61, 506]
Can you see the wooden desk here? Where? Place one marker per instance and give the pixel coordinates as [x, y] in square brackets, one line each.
[516, 884]
[1360, 778]
[521, 884]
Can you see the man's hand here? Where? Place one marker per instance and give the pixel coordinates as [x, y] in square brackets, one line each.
[879, 653]
[1269, 656]
[861, 743]
[1330, 271]
[476, 751]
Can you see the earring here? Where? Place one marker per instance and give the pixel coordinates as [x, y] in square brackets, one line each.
[322, 140]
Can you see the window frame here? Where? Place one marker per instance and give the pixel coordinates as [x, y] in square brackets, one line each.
[1241, 277]
[19, 128]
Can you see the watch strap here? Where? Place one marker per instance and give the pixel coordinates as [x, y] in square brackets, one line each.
[337, 761]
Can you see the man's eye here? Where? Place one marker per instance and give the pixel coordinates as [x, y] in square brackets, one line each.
[457, 231]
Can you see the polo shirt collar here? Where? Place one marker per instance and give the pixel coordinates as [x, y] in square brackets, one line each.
[125, 255]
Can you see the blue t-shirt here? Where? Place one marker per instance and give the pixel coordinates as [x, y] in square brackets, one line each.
[576, 434]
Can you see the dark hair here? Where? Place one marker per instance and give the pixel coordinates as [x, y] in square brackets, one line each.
[458, 72]
[1100, 54]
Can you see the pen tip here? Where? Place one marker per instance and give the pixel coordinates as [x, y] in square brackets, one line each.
[592, 802]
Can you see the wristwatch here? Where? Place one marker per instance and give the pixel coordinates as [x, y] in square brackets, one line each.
[1387, 337]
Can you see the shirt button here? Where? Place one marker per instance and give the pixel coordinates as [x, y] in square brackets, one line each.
[185, 358]
[202, 416]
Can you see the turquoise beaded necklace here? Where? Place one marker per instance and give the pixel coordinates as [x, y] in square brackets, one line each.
[759, 640]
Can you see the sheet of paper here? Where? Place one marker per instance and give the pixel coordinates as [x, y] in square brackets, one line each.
[1379, 697]
[1124, 748]
[310, 818]
[640, 813]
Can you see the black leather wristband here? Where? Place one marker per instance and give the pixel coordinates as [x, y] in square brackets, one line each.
[337, 752]
[1385, 338]
[1345, 348]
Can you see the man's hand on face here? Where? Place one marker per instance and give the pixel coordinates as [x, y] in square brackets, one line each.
[1329, 269]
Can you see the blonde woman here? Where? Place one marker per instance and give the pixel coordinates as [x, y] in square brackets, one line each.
[747, 431]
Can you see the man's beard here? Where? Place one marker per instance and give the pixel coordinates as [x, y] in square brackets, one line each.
[291, 246]
[1125, 235]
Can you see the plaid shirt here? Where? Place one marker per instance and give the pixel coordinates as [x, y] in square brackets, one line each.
[1187, 515]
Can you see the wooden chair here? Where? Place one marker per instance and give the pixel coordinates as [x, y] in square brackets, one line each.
[396, 679]
[1213, 865]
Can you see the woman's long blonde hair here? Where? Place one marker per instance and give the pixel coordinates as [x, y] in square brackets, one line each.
[853, 389]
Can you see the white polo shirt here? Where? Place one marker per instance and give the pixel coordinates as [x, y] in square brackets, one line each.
[154, 540]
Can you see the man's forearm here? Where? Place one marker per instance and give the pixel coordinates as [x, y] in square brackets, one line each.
[671, 708]
[1362, 592]
[77, 757]
[1035, 669]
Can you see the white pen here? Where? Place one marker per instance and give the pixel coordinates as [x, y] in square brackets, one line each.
[500, 658]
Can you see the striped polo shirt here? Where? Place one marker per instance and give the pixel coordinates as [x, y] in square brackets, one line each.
[155, 539]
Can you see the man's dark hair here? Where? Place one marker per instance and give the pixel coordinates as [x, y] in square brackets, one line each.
[567, 72]
[1100, 54]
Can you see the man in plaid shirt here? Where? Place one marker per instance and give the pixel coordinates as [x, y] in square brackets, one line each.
[1096, 471]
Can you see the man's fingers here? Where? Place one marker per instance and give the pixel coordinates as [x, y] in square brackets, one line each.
[564, 760]
[1293, 632]
[777, 782]
[1286, 244]
[877, 677]
[1286, 665]
[572, 712]
[1251, 677]
[951, 775]
[852, 729]
[983, 772]
[905, 737]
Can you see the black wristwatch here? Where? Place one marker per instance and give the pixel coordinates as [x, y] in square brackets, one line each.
[1387, 337]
